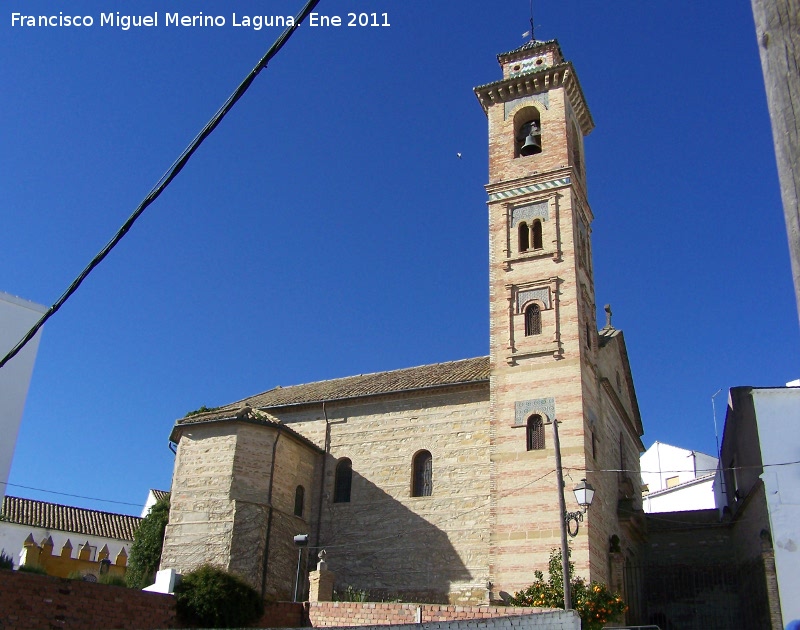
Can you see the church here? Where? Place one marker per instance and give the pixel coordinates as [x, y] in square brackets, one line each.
[438, 483]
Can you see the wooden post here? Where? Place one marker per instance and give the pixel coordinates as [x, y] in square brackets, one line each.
[778, 33]
[562, 510]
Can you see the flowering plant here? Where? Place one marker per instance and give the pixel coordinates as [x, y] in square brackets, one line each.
[595, 604]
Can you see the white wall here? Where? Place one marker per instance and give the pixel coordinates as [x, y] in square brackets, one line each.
[17, 316]
[694, 495]
[662, 461]
[778, 419]
[12, 537]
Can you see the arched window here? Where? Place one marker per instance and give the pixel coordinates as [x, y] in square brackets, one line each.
[299, 497]
[535, 433]
[422, 483]
[343, 481]
[536, 228]
[528, 128]
[524, 237]
[533, 320]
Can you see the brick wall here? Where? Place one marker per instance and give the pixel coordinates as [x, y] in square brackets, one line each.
[38, 601]
[31, 601]
[333, 614]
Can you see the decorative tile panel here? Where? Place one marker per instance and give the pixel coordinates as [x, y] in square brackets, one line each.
[543, 98]
[524, 408]
[543, 295]
[539, 210]
[524, 190]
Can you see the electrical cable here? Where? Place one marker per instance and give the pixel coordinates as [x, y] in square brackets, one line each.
[67, 494]
[166, 178]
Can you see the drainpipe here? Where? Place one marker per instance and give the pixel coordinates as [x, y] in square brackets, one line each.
[322, 480]
[269, 518]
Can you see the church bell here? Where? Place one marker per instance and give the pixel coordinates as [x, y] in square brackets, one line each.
[531, 138]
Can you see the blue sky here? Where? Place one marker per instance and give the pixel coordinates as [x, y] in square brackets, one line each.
[327, 227]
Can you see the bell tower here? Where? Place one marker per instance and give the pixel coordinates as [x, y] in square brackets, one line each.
[543, 332]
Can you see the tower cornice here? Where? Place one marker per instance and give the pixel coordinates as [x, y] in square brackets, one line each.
[536, 82]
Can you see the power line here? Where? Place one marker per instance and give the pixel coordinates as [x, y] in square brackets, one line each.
[67, 494]
[166, 178]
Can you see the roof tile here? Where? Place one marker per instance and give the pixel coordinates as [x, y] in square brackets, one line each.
[460, 372]
[69, 519]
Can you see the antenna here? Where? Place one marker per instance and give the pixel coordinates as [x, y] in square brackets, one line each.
[533, 39]
[530, 32]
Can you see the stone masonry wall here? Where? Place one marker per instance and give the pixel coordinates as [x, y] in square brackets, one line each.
[384, 540]
[220, 509]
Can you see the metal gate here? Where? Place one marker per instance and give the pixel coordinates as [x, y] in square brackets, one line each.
[698, 597]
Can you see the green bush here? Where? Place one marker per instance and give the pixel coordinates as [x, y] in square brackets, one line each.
[209, 597]
[6, 561]
[111, 579]
[146, 549]
[32, 568]
[595, 604]
[350, 594]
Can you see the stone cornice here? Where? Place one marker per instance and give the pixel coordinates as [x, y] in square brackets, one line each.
[540, 80]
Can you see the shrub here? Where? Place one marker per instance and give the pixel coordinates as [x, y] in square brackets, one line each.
[209, 597]
[111, 579]
[31, 568]
[595, 604]
[350, 594]
[6, 561]
[146, 549]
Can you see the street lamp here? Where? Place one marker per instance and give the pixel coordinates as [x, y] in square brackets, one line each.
[300, 541]
[584, 493]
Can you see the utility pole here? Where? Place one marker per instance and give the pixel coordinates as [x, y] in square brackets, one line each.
[778, 33]
[562, 510]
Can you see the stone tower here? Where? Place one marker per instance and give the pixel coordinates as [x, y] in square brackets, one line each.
[544, 341]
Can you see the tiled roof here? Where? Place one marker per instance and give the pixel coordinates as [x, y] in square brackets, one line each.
[69, 519]
[159, 494]
[531, 45]
[243, 413]
[607, 334]
[423, 377]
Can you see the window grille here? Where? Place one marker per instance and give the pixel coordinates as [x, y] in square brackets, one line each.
[423, 475]
[533, 320]
[535, 433]
[343, 481]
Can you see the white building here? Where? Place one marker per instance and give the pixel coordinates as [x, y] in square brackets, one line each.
[761, 466]
[17, 316]
[64, 525]
[676, 479]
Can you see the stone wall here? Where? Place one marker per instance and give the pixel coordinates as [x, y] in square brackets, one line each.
[224, 506]
[384, 540]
